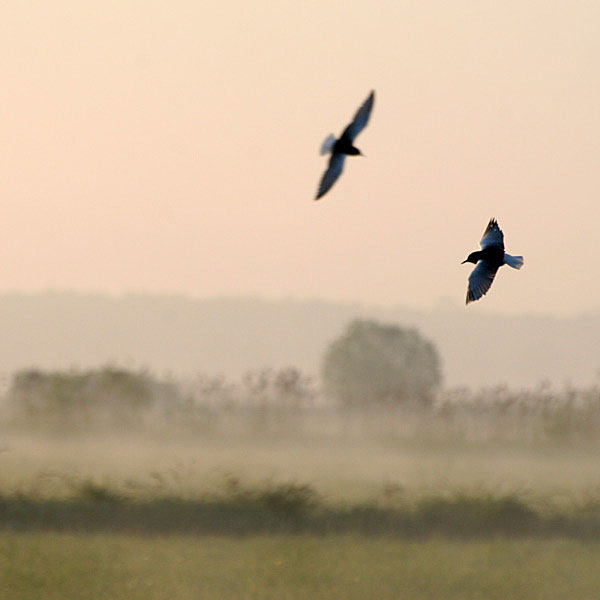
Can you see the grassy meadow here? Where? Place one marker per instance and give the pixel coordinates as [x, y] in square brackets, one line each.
[117, 567]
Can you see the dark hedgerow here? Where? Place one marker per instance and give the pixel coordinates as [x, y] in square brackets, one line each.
[292, 508]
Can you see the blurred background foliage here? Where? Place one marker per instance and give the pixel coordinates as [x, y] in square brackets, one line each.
[378, 380]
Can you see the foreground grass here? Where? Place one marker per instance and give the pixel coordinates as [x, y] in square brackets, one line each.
[79, 567]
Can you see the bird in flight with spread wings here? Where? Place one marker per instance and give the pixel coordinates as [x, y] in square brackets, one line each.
[488, 260]
[340, 148]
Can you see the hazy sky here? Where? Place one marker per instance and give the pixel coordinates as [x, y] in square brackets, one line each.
[173, 147]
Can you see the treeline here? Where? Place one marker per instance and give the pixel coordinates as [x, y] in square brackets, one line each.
[112, 397]
[287, 402]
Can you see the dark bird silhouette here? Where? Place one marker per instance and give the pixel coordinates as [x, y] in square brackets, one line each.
[344, 146]
[488, 260]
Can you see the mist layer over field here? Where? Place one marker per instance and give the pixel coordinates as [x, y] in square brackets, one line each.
[344, 468]
[545, 458]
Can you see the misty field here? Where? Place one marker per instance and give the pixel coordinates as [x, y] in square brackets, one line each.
[340, 468]
[312, 503]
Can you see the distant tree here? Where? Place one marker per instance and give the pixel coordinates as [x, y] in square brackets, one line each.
[377, 364]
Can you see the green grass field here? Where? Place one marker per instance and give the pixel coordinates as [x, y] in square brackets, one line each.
[115, 567]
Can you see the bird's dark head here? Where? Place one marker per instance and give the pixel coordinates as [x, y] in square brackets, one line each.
[354, 151]
[472, 258]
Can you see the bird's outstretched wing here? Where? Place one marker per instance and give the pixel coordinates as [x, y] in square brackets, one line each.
[480, 280]
[492, 236]
[334, 170]
[361, 118]
[327, 145]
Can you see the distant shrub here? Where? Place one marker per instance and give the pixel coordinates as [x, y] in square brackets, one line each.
[291, 499]
[277, 388]
[90, 490]
[377, 364]
[103, 396]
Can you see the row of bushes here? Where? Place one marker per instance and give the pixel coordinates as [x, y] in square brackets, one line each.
[113, 397]
[286, 402]
[294, 508]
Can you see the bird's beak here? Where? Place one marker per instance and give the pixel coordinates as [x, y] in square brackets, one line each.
[464, 261]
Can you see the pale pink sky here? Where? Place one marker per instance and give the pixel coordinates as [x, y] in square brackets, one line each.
[173, 147]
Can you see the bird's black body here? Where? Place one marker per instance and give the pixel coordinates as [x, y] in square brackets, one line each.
[488, 260]
[493, 255]
[344, 146]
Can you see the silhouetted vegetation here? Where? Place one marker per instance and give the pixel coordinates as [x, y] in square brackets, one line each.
[109, 396]
[293, 508]
[287, 403]
[529, 416]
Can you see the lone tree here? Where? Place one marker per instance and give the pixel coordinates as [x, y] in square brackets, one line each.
[377, 364]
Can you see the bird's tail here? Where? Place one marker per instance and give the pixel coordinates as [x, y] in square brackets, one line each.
[516, 262]
[328, 144]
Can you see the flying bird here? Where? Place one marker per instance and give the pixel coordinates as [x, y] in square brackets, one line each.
[344, 146]
[488, 260]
